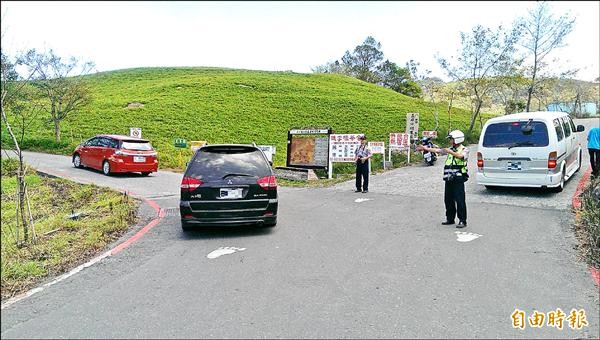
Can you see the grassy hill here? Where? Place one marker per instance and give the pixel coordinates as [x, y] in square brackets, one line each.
[228, 105]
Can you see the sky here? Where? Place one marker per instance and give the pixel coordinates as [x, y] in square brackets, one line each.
[277, 35]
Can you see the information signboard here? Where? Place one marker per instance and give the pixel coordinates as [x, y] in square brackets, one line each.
[269, 151]
[196, 144]
[412, 125]
[432, 134]
[377, 147]
[343, 146]
[399, 141]
[308, 148]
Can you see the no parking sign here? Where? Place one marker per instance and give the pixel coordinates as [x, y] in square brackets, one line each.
[135, 132]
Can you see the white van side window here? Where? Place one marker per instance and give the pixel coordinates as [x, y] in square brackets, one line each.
[566, 126]
[558, 128]
[573, 128]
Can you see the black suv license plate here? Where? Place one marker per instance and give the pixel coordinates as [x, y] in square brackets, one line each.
[230, 193]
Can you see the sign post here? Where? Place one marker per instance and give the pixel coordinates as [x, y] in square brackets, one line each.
[181, 144]
[269, 151]
[412, 129]
[377, 147]
[196, 144]
[398, 141]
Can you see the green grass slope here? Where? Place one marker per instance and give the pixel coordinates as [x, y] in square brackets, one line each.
[233, 106]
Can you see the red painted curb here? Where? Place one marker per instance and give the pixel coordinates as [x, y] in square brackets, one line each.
[142, 231]
[595, 275]
[576, 201]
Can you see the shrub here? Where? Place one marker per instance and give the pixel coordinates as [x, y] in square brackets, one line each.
[589, 222]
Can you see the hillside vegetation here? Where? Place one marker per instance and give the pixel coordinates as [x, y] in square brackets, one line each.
[233, 106]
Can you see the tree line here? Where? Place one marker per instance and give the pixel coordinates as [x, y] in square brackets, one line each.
[506, 66]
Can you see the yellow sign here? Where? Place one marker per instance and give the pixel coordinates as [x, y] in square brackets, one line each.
[197, 144]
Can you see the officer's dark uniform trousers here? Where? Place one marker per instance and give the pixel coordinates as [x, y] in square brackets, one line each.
[362, 175]
[454, 199]
[454, 190]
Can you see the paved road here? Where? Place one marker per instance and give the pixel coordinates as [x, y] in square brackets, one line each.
[334, 267]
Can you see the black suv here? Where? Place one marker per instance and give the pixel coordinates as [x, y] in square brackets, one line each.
[228, 184]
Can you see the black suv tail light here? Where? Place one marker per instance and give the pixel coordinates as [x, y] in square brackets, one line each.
[267, 183]
[190, 183]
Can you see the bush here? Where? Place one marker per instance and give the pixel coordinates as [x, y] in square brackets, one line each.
[589, 222]
[9, 166]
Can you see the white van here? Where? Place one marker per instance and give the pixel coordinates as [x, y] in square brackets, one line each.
[529, 149]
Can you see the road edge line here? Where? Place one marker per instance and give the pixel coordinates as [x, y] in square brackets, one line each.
[115, 250]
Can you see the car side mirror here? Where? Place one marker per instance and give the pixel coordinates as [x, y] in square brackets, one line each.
[580, 128]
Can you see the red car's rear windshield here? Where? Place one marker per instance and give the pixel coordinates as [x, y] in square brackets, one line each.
[133, 145]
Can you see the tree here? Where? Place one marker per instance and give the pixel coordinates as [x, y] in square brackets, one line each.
[510, 91]
[14, 93]
[331, 67]
[363, 61]
[485, 54]
[542, 34]
[62, 84]
[398, 79]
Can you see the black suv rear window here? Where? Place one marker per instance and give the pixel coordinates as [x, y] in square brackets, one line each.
[214, 163]
[512, 134]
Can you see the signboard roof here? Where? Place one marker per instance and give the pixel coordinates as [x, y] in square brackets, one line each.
[308, 131]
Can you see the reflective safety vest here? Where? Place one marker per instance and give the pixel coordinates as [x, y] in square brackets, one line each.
[455, 168]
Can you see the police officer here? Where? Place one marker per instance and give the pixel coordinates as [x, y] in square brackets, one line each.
[455, 176]
[361, 156]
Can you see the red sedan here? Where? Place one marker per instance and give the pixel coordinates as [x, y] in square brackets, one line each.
[116, 153]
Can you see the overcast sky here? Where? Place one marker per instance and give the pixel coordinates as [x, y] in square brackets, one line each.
[276, 35]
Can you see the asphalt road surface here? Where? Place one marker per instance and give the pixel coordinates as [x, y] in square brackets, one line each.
[339, 264]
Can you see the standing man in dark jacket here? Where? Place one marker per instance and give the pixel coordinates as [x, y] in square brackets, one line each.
[455, 176]
[361, 156]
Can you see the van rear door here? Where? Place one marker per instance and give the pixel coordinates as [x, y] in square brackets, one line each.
[561, 143]
[515, 148]
[570, 143]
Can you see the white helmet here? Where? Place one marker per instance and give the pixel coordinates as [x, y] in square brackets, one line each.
[457, 135]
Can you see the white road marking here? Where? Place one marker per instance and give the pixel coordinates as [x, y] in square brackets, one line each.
[223, 251]
[466, 236]
[360, 200]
